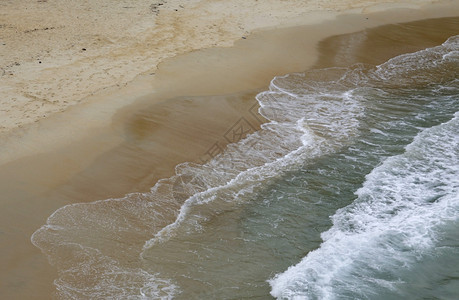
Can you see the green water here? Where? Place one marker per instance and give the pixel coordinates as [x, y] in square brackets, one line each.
[350, 192]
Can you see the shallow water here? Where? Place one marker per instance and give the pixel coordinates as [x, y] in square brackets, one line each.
[349, 191]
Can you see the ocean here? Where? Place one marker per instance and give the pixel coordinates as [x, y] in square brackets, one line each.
[349, 191]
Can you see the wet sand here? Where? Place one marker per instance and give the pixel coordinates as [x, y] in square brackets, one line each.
[198, 99]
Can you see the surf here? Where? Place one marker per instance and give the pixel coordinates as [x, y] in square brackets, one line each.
[136, 245]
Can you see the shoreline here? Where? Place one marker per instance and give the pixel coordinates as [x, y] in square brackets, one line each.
[73, 159]
[86, 133]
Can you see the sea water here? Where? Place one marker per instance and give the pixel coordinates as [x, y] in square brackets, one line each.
[349, 191]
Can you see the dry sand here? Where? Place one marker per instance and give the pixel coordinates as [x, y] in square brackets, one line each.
[139, 114]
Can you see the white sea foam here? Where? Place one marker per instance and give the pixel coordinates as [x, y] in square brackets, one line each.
[400, 208]
[437, 64]
[392, 223]
[303, 125]
[310, 114]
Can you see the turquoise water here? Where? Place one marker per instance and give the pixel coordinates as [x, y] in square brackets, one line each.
[350, 191]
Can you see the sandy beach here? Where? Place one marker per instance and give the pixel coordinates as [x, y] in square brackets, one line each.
[55, 54]
[99, 98]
